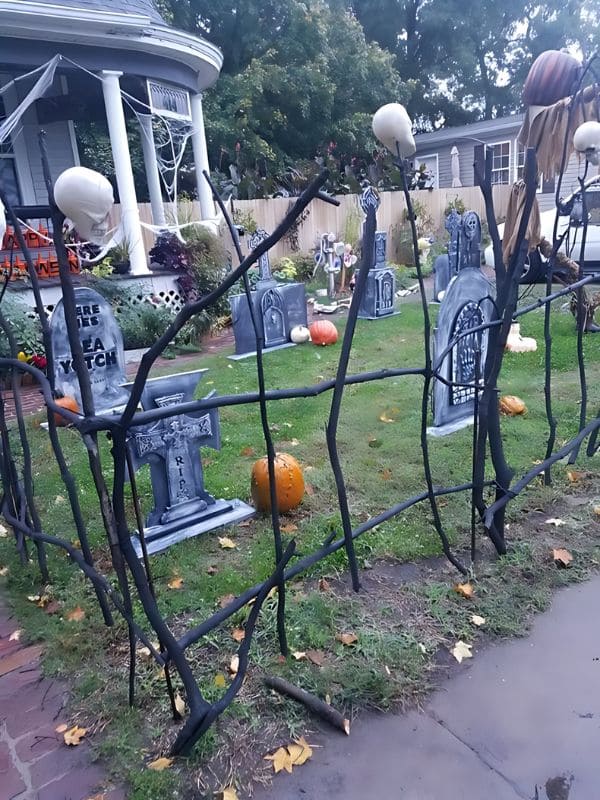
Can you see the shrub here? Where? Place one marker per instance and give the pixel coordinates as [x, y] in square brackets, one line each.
[142, 324]
[26, 328]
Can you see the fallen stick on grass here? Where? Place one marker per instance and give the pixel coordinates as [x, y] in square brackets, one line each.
[311, 701]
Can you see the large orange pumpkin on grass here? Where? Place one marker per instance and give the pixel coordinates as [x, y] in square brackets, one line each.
[289, 483]
[68, 402]
[323, 332]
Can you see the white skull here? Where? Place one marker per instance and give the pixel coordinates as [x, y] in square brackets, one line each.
[86, 198]
[393, 127]
[586, 139]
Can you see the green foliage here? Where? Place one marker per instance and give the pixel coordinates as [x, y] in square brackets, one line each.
[141, 324]
[456, 204]
[302, 266]
[209, 262]
[25, 325]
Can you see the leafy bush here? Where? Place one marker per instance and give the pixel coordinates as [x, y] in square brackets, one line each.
[142, 324]
[25, 325]
[303, 266]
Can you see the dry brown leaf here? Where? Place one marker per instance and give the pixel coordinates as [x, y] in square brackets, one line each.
[212, 570]
[234, 665]
[347, 638]
[299, 655]
[477, 620]
[179, 704]
[562, 557]
[389, 415]
[227, 543]
[316, 657]
[220, 680]
[309, 489]
[74, 735]
[226, 599]
[239, 634]
[160, 764]
[289, 528]
[385, 474]
[15, 635]
[61, 728]
[464, 589]
[247, 451]
[575, 476]
[324, 585]
[281, 760]
[300, 751]
[76, 615]
[462, 650]
[229, 794]
[41, 600]
[176, 582]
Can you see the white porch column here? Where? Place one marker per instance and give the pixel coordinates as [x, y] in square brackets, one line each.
[130, 217]
[207, 206]
[152, 173]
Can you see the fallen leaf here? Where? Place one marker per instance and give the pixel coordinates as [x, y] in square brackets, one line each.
[220, 680]
[3, 571]
[239, 634]
[40, 600]
[562, 557]
[160, 764]
[76, 615]
[175, 583]
[574, 475]
[300, 751]
[294, 442]
[477, 620]
[387, 670]
[281, 760]
[389, 415]
[3, 532]
[289, 528]
[373, 441]
[347, 638]
[229, 794]
[299, 655]
[226, 599]
[385, 474]
[179, 704]
[596, 510]
[462, 650]
[247, 451]
[556, 522]
[15, 635]
[316, 657]
[464, 589]
[227, 543]
[74, 735]
[234, 665]
[61, 728]
[324, 585]
[309, 489]
[212, 571]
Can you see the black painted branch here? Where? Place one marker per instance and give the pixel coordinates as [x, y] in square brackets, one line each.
[487, 192]
[309, 701]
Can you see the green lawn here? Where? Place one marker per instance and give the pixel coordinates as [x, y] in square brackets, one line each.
[401, 619]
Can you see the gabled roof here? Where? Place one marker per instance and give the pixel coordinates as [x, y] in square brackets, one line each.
[145, 7]
[471, 131]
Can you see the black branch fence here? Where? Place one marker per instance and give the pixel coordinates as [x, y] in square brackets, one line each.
[134, 585]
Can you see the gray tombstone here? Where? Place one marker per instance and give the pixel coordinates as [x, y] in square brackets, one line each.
[102, 344]
[470, 241]
[380, 289]
[264, 265]
[171, 446]
[453, 225]
[464, 249]
[466, 305]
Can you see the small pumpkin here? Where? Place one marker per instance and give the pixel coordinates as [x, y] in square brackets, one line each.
[299, 334]
[323, 332]
[511, 405]
[289, 483]
[553, 75]
[68, 402]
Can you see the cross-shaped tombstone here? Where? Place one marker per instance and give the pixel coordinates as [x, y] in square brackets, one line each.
[470, 245]
[171, 446]
[453, 225]
[264, 265]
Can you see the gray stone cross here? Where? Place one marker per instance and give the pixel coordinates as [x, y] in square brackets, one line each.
[264, 265]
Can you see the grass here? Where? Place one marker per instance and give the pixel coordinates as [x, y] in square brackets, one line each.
[408, 613]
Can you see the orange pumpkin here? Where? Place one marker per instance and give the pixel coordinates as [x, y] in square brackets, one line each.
[553, 75]
[512, 405]
[68, 402]
[323, 332]
[289, 483]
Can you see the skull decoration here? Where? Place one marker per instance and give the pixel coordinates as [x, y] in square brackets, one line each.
[586, 140]
[393, 127]
[86, 198]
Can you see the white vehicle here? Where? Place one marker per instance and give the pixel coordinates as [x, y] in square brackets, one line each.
[570, 220]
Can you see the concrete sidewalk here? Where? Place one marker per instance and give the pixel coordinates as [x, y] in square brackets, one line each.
[521, 721]
[35, 763]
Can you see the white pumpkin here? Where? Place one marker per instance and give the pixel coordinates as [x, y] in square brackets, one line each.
[299, 334]
[586, 139]
[393, 127]
[86, 198]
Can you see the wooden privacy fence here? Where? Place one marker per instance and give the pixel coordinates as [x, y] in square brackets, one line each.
[325, 218]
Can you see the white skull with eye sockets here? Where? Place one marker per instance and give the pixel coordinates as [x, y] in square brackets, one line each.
[86, 198]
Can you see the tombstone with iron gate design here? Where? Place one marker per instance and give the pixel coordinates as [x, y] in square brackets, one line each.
[171, 446]
[278, 307]
[460, 349]
[380, 290]
[463, 249]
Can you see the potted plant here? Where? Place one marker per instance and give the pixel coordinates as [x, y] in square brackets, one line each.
[119, 257]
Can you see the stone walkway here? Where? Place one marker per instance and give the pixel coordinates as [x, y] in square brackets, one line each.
[35, 763]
